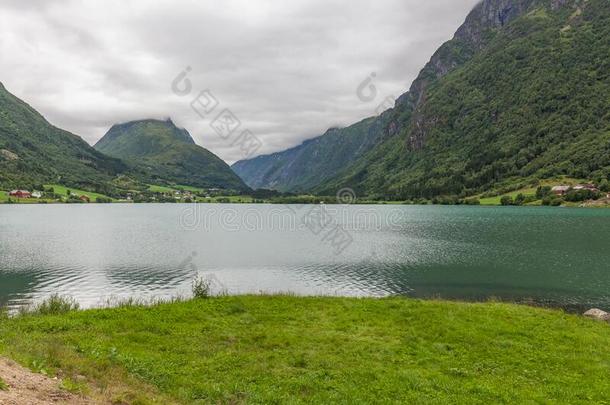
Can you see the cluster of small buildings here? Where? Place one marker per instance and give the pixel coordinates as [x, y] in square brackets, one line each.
[38, 194]
[563, 190]
[25, 194]
[185, 194]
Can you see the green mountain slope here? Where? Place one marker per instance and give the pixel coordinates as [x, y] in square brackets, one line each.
[318, 159]
[520, 93]
[523, 99]
[34, 152]
[163, 153]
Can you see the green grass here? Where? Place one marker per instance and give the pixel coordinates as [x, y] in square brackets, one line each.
[160, 189]
[282, 349]
[3, 196]
[63, 191]
[531, 191]
[189, 188]
[232, 198]
[496, 200]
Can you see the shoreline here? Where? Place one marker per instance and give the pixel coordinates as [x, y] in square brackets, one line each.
[113, 303]
[390, 203]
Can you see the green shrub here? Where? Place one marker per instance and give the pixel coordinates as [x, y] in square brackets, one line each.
[201, 288]
[54, 305]
[543, 191]
[74, 200]
[506, 200]
[552, 201]
[581, 195]
[519, 200]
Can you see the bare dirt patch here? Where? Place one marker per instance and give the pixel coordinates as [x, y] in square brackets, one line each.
[28, 388]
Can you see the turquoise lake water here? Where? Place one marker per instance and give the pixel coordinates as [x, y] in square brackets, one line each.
[95, 253]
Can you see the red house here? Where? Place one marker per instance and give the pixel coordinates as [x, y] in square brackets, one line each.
[20, 194]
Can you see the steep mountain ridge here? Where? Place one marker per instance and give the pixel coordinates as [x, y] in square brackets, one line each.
[530, 104]
[163, 153]
[470, 38]
[461, 127]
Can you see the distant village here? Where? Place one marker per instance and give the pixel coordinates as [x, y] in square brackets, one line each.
[563, 190]
[582, 194]
[587, 194]
[25, 194]
[49, 195]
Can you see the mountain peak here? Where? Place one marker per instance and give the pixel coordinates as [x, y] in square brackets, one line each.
[163, 151]
[469, 39]
[489, 14]
[150, 127]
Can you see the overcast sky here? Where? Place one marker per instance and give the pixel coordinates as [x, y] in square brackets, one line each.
[288, 70]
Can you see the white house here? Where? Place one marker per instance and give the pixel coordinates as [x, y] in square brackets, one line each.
[560, 190]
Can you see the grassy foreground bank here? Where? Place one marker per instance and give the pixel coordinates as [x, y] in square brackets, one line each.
[277, 349]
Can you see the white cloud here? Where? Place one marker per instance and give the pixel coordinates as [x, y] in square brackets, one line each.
[287, 69]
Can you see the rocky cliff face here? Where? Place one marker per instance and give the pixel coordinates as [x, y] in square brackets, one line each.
[490, 14]
[469, 39]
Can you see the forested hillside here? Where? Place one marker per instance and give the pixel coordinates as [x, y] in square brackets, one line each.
[34, 152]
[533, 103]
[521, 93]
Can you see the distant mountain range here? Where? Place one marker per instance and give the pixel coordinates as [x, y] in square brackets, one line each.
[319, 159]
[33, 152]
[521, 93]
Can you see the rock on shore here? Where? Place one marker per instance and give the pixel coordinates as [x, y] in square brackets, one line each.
[598, 314]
